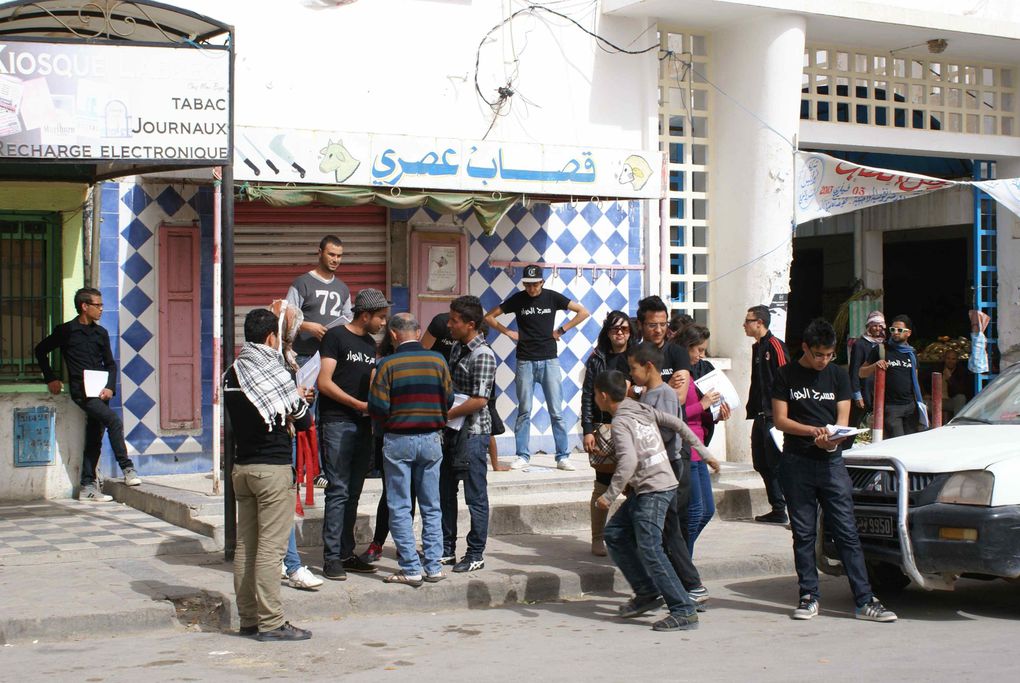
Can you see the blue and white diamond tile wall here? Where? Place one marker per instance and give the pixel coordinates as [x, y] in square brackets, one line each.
[132, 214]
[586, 233]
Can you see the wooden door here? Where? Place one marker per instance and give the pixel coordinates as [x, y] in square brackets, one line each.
[180, 368]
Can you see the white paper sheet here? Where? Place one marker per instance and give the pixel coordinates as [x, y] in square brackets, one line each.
[308, 374]
[777, 437]
[718, 381]
[95, 381]
[457, 422]
[839, 431]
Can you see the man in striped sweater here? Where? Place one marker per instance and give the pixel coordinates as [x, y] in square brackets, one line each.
[409, 397]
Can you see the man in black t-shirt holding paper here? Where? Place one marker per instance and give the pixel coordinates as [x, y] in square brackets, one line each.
[348, 358]
[537, 358]
[807, 397]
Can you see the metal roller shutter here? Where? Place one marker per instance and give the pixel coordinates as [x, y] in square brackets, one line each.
[273, 245]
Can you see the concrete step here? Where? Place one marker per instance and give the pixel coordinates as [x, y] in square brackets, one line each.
[540, 500]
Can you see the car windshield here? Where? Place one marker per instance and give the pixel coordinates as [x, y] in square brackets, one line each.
[998, 403]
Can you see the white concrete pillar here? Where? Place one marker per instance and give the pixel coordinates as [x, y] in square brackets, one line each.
[873, 268]
[1009, 272]
[759, 64]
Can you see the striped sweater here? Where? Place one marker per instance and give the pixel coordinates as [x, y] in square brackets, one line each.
[411, 391]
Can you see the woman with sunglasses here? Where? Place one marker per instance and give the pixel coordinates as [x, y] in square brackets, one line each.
[698, 416]
[617, 335]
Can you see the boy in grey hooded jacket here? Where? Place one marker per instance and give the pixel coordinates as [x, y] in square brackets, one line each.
[634, 534]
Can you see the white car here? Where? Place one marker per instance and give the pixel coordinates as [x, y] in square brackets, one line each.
[934, 506]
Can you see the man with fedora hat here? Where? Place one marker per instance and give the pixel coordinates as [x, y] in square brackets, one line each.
[348, 358]
[537, 357]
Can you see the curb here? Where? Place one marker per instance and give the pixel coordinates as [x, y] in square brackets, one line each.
[158, 616]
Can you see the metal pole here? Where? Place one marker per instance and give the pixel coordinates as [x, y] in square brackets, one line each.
[227, 246]
[878, 414]
[936, 399]
[217, 372]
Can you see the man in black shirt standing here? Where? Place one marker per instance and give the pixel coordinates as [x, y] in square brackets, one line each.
[904, 407]
[807, 396]
[537, 358]
[260, 395]
[348, 358]
[768, 355]
[85, 346]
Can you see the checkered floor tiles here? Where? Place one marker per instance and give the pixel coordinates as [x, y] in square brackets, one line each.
[67, 528]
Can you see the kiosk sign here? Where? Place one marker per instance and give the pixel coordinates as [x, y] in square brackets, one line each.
[69, 102]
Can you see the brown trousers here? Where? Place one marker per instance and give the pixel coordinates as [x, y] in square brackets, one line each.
[265, 515]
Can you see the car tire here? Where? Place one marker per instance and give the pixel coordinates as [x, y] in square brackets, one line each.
[887, 577]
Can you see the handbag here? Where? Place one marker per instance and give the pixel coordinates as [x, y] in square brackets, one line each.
[604, 452]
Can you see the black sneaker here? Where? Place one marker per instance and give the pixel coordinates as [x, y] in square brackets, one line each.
[676, 622]
[358, 566]
[334, 569]
[774, 517]
[321, 482]
[638, 605]
[285, 632]
[248, 631]
[699, 594]
[469, 564]
[448, 559]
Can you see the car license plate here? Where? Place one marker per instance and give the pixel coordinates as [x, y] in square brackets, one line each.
[874, 526]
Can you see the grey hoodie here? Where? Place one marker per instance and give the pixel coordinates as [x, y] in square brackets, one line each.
[642, 461]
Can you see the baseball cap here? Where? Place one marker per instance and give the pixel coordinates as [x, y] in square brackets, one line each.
[532, 273]
[370, 300]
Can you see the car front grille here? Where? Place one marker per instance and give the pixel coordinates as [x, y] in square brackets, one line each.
[886, 481]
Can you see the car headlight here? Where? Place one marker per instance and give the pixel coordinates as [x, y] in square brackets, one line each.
[968, 488]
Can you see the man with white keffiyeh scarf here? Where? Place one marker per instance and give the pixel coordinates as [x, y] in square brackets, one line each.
[260, 396]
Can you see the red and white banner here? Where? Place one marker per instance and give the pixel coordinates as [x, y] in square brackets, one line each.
[827, 186]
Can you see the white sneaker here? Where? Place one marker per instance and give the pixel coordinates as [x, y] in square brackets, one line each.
[92, 494]
[565, 465]
[304, 579]
[519, 464]
[283, 571]
[131, 477]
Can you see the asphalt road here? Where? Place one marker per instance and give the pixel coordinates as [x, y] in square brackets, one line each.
[747, 635]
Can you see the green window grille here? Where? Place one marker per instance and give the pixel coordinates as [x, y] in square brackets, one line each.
[30, 296]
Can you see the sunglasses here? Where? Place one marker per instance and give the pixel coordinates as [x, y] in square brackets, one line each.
[748, 321]
[619, 330]
[899, 330]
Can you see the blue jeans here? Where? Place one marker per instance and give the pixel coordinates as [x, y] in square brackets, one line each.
[810, 482]
[702, 505]
[347, 457]
[476, 495]
[291, 560]
[634, 541]
[546, 373]
[417, 458]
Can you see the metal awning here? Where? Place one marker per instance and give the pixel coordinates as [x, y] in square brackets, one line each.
[117, 24]
[139, 21]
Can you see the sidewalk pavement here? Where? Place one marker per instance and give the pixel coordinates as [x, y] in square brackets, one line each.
[56, 594]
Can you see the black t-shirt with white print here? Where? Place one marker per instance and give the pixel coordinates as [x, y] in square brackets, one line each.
[355, 360]
[811, 399]
[536, 317]
[441, 333]
[674, 359]
[899, 376]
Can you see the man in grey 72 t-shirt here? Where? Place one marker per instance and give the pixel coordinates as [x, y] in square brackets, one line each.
[323, 298]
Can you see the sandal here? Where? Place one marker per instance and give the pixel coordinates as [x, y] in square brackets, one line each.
[402, 578]
[673, 622]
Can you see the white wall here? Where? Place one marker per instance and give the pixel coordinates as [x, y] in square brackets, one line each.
[48, 481]
[407, 67]
[1009, 274]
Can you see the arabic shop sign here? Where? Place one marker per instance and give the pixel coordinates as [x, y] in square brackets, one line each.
[70, 102]
[398, 161]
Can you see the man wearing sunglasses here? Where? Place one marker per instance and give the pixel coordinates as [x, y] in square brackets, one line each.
[85, 347]
[905, 412]
[768, 354]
